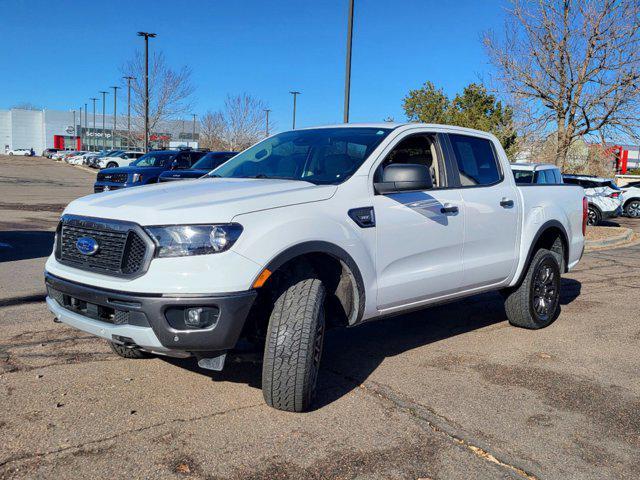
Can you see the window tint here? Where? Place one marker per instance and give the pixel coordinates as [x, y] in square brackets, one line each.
[476, 160]
[523, 177]
[417, 149]
[154, 159]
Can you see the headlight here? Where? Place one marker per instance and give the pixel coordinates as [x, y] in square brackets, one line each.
[137, 177]
[185, 240]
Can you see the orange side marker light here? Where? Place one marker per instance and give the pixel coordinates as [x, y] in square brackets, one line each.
[262, 278]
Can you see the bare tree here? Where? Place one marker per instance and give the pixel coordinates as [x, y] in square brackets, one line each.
[572, 67]
[240, 124]
[170, 92]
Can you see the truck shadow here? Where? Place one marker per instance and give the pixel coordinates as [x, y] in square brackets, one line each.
[351, 355]
[25, 244]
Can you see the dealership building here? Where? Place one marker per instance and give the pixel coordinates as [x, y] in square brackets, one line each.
[41, 129]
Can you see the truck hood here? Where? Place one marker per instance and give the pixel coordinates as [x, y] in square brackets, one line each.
[214, 200]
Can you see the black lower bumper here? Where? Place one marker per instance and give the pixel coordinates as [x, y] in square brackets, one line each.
[154, 311]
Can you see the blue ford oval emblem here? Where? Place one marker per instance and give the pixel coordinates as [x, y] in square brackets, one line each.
[87, 245]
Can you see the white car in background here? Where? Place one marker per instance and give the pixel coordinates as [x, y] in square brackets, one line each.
[82, 158]
[602, 195]
[118, 159]
[631, 199]
[75, 158]
[19, 151]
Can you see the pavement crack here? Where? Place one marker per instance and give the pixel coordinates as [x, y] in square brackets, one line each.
[441, 425]
[26, 457]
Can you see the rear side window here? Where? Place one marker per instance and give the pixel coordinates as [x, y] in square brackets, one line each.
[476, 160]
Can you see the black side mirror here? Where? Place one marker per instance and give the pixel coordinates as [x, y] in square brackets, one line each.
[404, 177]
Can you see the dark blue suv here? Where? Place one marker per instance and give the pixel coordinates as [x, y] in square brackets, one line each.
[146, 169]
[203, 166]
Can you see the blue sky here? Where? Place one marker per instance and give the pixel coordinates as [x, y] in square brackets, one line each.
[57, 54]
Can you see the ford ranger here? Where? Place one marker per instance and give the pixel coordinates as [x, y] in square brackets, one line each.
[306, 230]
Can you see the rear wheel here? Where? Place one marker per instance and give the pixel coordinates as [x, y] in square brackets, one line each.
[294, 343]
[127, 352]
[595, 217]
[536, 302]
[632, 208]
[112, 165]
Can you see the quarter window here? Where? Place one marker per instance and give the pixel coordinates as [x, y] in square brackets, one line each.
[476, 160]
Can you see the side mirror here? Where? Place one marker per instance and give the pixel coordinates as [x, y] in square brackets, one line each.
[404, 177]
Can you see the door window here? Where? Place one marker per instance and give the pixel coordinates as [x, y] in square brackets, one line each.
[417, 149]
[477, 163]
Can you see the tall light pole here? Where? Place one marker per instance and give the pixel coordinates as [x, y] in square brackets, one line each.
[115, 112]
[193, 133]
[75, 130]
[95, 141]
[266, 111]
[85, 125]
[146, 36]
[104, 138]
[295, 96]
[128, 79]
[79, 130]
[347, 77]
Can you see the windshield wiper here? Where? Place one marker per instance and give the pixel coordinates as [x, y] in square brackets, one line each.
[270, 177]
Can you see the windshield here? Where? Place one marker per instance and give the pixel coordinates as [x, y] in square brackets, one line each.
[114, 153]
[211, 161]
[523, 176]
[320, 155]
[153, 159]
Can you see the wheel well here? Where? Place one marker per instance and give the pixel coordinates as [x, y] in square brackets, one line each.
[594, 206]
[553, 238]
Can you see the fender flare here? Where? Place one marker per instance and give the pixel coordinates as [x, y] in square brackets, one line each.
[546, 226]
[330, 249]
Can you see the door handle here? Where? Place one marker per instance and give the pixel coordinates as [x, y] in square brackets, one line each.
[448, 208]
[506, 203]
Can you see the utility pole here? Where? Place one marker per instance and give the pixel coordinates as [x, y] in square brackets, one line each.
[128, 79]
[115, 112]
[193, 133]
[295, 96]
[266, 110]
[104, 138]
[146, 36]
[347, 77]
[95, 141]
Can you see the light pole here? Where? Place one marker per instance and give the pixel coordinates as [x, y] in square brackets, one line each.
[75, 130]
[104, 138]
[266, 111]
[193, 133]
[128, 79]
[95, 142]
[146, 36]
[85, 125]
[115, 110]
[295, 96]
[347, 77]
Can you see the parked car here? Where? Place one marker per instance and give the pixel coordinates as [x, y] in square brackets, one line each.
[60, 154]
[118, 159]
[309, 229]
[631, 199]
[536, 173]
[203, 166]
[602, 194]
[77, 158]
[48, 152]
[20, 151]
[146, 169]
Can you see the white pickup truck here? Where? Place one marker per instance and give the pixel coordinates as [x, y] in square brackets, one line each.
[308, 229]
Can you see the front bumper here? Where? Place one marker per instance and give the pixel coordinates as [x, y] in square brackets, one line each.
[142, 319]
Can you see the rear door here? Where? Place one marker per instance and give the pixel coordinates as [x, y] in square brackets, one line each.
[492, 211]
[419, 234]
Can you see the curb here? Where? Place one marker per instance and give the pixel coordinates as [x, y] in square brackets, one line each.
[610, 242]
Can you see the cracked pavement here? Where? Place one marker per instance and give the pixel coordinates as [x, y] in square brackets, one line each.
[451, 392]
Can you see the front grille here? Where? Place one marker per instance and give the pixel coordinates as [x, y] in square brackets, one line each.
[112, 177]
[121, 249]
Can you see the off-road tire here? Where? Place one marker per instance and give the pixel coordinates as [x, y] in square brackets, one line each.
[112, 165]
[294, 341]
[126, 352]
[520, 303]
[594, 216]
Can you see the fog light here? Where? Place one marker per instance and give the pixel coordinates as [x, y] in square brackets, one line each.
[200, 317]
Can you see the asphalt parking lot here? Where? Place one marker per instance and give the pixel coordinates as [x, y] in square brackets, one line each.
[448, 392]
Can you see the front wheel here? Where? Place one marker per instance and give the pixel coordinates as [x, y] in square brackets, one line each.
[536, 302]
[594, 217]
[294, 343]
[632, 209]
[112, 165]
[10, 154]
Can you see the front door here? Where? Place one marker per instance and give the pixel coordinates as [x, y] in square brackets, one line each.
[419, 234]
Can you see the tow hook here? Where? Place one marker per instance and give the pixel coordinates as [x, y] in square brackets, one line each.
[56, 320]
